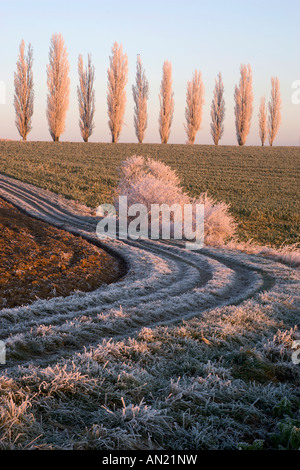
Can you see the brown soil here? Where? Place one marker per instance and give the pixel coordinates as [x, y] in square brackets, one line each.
[40, 261]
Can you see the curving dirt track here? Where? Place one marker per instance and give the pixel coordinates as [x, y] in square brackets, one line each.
[164, 283]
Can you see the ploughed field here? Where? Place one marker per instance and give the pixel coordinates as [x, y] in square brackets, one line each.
[41, 261]
[259, 183]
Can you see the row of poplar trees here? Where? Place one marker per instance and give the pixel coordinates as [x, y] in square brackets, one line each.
[58, 83]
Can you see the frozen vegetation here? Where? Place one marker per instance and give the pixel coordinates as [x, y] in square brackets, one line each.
[189, 350]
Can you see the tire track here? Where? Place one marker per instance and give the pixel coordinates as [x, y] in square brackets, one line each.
[164, 284]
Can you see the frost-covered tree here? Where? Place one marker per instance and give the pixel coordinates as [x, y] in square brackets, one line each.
[86, 97]
[274, 110]
[58, 82]
[24, 94]
[116, 96]
[243, 104]
[166, 99]
[194, 106]
[140, 93]
[262, 121]
[217, 112]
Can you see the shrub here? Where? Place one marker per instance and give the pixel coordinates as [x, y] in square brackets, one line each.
[147, 181]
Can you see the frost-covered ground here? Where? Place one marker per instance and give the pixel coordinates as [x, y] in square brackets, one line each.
[189, 350]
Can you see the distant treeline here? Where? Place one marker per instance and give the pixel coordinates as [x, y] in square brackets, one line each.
[58, 83]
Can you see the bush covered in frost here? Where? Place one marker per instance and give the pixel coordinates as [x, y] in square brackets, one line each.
[147, 181]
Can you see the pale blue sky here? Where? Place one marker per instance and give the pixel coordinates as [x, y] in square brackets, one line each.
[210, 36]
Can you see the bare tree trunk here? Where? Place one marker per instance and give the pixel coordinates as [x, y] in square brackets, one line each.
[166, 99]
[116, 96]
[217, 111]
[24, 95]
[194, 105]
[243, 104]
[58, 85]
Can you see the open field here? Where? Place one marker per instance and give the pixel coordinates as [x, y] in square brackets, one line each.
[150, 230]
[261, 184]
[40, 261]
[190, 350]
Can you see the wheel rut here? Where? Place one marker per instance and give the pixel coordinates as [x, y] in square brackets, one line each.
[164, 284]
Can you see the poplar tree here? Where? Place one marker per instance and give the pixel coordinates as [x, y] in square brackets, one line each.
[58, 82]
[140, 93]
[194, 106]
[86, 97]
[166, 99]
[217, 111]
[274, 110]
[116, 97]
[243, 104]
[24, 94]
